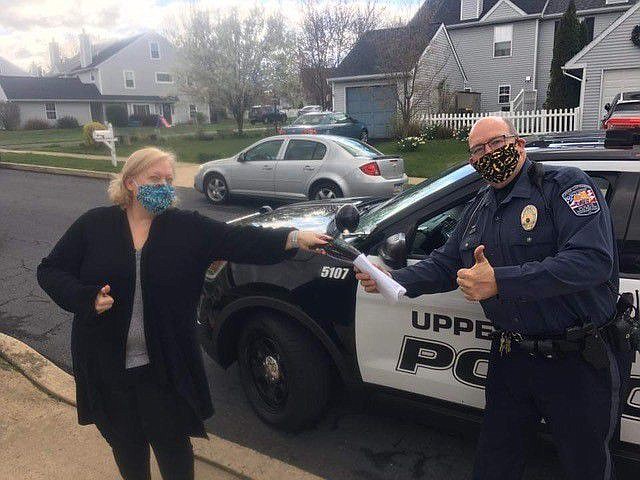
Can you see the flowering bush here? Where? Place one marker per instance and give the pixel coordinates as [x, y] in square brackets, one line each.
[463, 134]
[410, 144]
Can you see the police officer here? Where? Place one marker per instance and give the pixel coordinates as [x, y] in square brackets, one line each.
[536, 249]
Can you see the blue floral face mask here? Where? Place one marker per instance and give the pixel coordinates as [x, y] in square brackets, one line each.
[155, 198]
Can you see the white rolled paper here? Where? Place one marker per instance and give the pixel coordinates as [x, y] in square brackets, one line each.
[391, 290]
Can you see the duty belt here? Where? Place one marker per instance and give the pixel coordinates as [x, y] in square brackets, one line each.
[553, 346]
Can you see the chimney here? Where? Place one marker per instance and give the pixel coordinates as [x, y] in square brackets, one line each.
[86, 54]
[54, 57]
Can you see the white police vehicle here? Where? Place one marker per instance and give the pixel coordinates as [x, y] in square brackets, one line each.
[295, 326]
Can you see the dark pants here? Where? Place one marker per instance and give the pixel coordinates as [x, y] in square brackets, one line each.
[580, 404]
[144, 413]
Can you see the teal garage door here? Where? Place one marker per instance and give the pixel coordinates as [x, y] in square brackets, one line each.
[374, 106]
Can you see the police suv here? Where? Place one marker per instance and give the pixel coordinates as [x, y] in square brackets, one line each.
[296, 326]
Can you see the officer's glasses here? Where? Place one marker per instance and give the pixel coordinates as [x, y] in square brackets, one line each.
[478, 151]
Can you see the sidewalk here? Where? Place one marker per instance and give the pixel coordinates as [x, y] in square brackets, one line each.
[40, 438]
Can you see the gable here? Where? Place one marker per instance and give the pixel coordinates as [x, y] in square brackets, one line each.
[616, 38]
[503, 10]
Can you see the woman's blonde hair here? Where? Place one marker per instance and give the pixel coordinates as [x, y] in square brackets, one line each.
[137, 162]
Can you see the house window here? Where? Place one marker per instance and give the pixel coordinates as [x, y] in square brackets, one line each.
[129, 79]
[504, 94]
[192, 111]
[154, 50]
[589, 24]
[162, 77]
[50, 109]
[502, 40]
[141, 110]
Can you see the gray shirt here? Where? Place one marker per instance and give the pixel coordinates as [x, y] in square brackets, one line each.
[136, 342]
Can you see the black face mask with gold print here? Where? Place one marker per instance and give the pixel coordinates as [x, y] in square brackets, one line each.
[499, 165]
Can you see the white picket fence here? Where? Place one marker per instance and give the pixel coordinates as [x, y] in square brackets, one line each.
[534, 122]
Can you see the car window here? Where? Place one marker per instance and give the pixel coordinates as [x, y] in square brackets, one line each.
[628, 107]
[312, 119]
[305, 150]
[433, 232]
[358, 148]
[265, 151]
[630, 250]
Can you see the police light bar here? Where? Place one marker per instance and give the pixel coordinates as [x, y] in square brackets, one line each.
[623, 138]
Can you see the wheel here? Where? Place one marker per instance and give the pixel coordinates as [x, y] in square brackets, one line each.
[284, 372]
[325, 190]
[215, 189]
[364, 136]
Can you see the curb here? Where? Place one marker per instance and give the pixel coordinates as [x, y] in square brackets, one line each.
[75, 172]
[240, 461]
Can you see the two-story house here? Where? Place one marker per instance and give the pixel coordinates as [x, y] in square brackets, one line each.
[501, 49]
[136, 73]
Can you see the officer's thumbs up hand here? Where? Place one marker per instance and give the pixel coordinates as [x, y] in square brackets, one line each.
[103, 300]
[478, 282]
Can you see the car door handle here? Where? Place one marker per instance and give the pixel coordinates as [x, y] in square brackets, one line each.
[309, 168]
[267, 167]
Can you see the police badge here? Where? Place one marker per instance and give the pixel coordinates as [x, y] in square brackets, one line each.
[529, 217]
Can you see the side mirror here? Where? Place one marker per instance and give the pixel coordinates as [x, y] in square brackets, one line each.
[607, 107]
[347, 218]
[241, 157]
[394, 251]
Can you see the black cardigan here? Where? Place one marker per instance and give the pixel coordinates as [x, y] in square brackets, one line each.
[98, 250]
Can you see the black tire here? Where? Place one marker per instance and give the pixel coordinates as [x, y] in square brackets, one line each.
[364, 136]
[325, 190]
[216, 189]
[284, 372]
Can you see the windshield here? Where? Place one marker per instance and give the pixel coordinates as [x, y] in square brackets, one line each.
[312, 119]
[370, 220]
[358, 148]
[628, 107]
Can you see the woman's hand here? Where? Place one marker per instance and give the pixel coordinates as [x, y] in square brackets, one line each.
[103, 300]
[309, 241]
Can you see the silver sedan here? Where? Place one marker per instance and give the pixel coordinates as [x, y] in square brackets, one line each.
[300, 167]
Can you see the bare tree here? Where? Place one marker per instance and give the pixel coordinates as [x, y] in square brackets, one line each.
[418, 68]
[328, 32]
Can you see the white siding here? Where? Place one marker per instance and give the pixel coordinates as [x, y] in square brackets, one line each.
[502, 12]
[136, 57]
[599, 58]
[469, 9]
[81, 111]
[437, 63]
[181, 109]
[485, 73]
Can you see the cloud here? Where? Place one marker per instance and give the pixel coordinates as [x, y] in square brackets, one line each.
[27, 26]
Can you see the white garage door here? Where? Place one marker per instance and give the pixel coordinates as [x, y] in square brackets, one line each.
[616, 81]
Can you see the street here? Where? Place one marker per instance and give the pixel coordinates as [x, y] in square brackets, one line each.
[360, 437]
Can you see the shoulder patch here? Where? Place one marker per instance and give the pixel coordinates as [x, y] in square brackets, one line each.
[582, 200]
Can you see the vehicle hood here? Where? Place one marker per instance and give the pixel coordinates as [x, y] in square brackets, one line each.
[315, 216]
[219, 162]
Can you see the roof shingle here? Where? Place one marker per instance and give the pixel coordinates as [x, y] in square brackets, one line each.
[47, 88]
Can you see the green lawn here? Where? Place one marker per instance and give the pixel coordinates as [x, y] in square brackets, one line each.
[54, 136]
[67, 162]
[429, 159]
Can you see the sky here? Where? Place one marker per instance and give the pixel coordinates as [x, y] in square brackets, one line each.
[27, 26]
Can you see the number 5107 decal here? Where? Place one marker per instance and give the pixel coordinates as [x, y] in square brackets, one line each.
[338, 273]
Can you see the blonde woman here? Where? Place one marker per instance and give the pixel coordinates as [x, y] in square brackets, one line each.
[131, 274]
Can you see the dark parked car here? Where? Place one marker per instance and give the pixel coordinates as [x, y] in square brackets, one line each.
[623, 112]
[266, 114]
[328, 123]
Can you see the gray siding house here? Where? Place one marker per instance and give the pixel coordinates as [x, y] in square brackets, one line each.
[138, 73]
[502, 50]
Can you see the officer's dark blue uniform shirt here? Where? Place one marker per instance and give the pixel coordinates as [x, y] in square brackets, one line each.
[550, 277]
